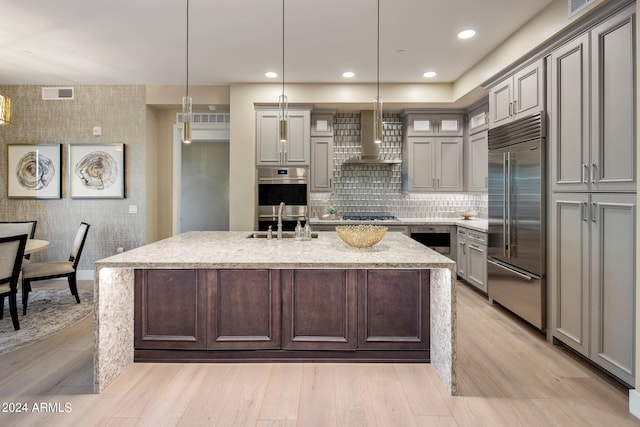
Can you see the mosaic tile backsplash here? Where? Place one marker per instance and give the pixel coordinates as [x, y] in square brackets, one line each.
[377, 188]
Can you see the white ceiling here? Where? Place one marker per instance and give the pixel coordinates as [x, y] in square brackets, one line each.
[143, 41]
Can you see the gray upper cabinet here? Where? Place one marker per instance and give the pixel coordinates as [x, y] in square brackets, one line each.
[518, 95]
[321, 169]
[432, 124]
[478, 162]
[434, 164]
[269, 149]
[592, 109]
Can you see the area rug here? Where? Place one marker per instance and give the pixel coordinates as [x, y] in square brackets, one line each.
[49, 311]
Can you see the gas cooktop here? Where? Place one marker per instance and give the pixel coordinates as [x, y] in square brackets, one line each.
[368, 217]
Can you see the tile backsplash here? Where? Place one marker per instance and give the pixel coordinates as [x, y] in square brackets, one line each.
[377, 188]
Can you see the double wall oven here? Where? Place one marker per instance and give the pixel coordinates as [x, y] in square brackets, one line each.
[281, 184]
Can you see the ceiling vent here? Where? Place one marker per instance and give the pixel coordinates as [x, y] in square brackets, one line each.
[205, 118]
[57, 93]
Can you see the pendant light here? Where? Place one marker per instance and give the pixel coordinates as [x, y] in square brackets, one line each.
[187, 102]
[377, 103]
[283, 103]
[5, 110]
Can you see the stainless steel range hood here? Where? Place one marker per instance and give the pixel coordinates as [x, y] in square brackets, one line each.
[369, 149]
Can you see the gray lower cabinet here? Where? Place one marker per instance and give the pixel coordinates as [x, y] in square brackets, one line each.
[592, 110]
[472, 257]
[592, 277]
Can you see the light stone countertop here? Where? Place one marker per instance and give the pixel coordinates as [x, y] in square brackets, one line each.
[475, 224]
[223, 249]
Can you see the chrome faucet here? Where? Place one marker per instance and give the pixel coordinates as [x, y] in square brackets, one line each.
[280, 209]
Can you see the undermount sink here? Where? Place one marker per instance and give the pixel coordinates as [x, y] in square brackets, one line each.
[285, 235]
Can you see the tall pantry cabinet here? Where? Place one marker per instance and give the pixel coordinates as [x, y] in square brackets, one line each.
[592, 171]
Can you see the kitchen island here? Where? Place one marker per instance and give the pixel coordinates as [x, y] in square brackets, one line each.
[288, 286]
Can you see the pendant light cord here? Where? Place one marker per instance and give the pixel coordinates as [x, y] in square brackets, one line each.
[283, 47]
[187, 94]
[378, 53]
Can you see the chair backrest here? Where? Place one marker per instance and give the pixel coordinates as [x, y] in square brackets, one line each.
[12, 228]
[11, 253]
[78, 243]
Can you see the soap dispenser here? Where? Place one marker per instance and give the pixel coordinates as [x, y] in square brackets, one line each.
[298, 231]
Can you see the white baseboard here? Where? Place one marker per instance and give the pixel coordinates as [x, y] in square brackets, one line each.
[634, 402]
[84, 275]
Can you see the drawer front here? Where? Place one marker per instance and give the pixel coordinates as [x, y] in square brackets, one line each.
[477, 237]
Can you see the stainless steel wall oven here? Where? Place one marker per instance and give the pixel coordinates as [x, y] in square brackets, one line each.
[281, 184]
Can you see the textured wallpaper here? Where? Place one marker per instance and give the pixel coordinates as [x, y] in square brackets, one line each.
[120, 112]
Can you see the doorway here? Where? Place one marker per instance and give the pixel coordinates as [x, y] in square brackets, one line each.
[201, 179]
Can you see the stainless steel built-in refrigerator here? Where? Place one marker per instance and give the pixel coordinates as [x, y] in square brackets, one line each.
[516, 253]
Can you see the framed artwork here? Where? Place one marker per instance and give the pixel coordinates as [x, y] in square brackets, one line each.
[96, 171]
[34, 171]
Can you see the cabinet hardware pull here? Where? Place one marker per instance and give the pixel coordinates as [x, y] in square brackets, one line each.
[585, 168]
[583, 211]
[433, 183]
[593, 173]
[593, 212]
[514, 107]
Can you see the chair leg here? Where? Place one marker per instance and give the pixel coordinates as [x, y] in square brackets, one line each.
[26, 287]
[13, 308]
[73, 287]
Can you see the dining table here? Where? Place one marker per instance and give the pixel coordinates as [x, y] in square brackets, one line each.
[35, 245]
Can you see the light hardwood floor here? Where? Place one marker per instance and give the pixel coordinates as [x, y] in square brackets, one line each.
[508, 376]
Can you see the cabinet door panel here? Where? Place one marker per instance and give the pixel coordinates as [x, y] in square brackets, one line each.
[500, 103]
[297, 146]
[478, 162]
[569, 125]
[528, 95]
[449, 164]
[570, 238]
[613, 278]
[170, 309]
[268, 150]
[244, 309]
[321, 163]
[393, 309]
[319, 309]
[477, 265]
[613, 105]
[422, 171]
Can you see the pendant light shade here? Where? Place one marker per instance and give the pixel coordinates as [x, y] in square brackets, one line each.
[187, 102]
[5, 110]
[377, 103]
[283, 103]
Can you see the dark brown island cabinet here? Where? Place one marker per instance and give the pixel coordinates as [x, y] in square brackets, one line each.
[266, 314]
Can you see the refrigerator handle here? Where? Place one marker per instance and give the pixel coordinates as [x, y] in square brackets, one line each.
[507, 218]
[517, 273]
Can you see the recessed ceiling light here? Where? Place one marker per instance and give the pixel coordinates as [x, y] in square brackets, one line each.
[466, 34]
[430, 74]
[271, 74]
[348, 74]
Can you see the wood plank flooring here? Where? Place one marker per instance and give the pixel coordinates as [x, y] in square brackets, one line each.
[508, 375]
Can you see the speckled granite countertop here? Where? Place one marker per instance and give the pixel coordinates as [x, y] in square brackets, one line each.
[475, 224]
[212, 249]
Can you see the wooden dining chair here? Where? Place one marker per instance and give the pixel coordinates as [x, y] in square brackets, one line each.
[36, 271]
[11, 253]
[17, 227]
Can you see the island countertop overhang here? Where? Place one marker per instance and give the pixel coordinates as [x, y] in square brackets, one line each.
[234, 249]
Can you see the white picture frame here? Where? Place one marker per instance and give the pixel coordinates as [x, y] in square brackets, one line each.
[34, 171]
[96, 171]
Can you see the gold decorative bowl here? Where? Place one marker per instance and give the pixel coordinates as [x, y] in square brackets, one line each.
[361, 235]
